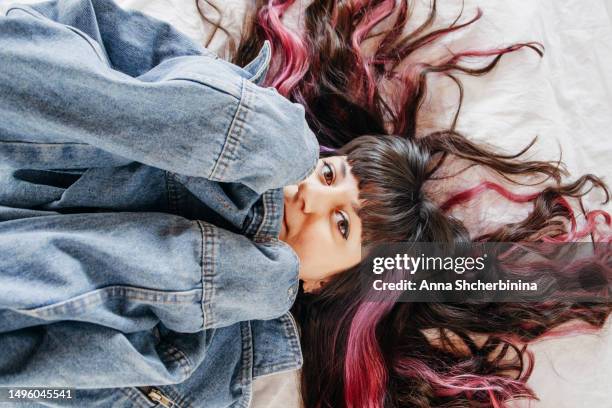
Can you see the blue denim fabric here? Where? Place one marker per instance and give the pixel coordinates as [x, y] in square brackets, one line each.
[140, 205]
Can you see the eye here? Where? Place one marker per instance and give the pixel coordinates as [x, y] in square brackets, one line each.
[327, 171]
[342, 223]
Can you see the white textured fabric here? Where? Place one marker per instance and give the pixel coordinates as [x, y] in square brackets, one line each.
[565, 99]
[277, 391]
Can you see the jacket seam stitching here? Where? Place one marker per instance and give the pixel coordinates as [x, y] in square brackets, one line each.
[207, 264]
[91, 45]
[176, 355]
[265, 217]
[247, 363]
[291, 330]
[205, 84]
[232, 140]
[74, 30]
[291, 362]
[171, 188]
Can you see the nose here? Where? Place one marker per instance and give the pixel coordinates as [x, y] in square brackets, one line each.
[317, 199]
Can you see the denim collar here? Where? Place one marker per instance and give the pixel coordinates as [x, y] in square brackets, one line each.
[271, 356]
[265, 218]
[258, 68]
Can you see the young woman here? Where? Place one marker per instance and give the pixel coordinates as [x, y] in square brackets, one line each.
[141, 206]
[124, 299]
[358, 70]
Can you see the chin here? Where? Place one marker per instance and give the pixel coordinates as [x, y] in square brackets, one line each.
[289, 192]
[284, 230]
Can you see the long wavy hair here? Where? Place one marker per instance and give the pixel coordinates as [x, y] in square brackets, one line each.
[352, 77]
[360, 351]
[358, 70]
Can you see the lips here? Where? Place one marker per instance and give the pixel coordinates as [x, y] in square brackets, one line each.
[285, 222]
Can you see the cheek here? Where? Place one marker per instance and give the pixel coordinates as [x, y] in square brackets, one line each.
[320, 255]
[309, 244]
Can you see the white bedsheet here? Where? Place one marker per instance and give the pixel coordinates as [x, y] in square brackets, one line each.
[565, 99]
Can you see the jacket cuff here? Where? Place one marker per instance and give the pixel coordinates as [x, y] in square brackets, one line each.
[245, 280]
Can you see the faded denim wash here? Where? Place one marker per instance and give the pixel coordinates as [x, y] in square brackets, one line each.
[140, 205]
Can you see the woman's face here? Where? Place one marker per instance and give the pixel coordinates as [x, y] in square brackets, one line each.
[321, 223]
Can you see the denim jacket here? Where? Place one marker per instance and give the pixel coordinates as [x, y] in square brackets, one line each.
[140, 204]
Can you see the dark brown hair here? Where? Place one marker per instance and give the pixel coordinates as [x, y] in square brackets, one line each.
[342, 70]
[360, 352]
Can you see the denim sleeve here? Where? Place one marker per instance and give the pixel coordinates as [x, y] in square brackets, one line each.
[130, 41]
[147, 99]
[131, 271]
